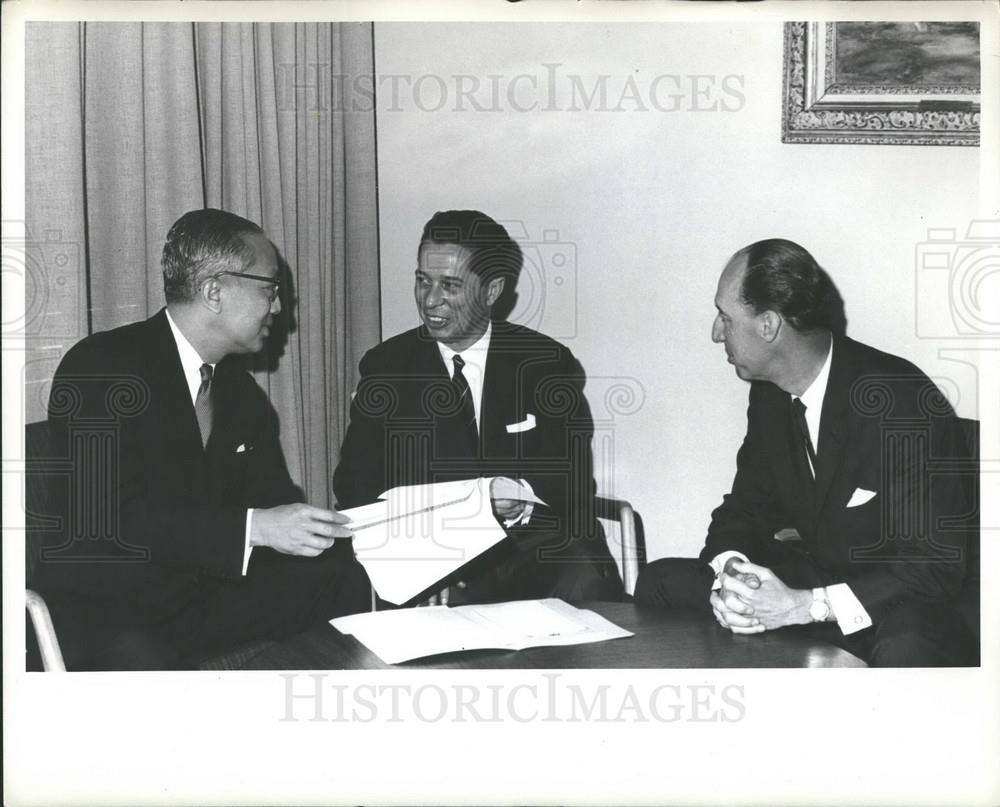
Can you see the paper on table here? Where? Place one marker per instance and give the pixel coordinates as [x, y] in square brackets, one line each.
[410, 633]
[422, 533]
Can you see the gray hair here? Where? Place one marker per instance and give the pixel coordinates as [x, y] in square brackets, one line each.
[200, 243]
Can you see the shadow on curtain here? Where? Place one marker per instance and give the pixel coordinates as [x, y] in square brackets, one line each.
[129, 125]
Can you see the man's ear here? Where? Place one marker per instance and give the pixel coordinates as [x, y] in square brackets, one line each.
[210, 294]
[493, 290]
[769, 325]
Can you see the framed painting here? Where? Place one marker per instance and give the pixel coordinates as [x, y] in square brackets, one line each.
[908, 83]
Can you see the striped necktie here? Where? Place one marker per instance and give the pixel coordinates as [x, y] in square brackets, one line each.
[799, 414]
[203, 403]
[468, 409]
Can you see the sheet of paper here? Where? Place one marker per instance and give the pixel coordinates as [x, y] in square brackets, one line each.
[410, 633]
[409, 500]
[420, 536]
[526, 619]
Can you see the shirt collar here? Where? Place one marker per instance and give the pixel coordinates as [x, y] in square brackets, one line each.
[816, 392]
[475, 354]
[191, 362]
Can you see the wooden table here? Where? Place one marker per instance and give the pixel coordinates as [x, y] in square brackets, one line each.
[663, 639]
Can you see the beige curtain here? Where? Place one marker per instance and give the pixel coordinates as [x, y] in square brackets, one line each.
[130, 125]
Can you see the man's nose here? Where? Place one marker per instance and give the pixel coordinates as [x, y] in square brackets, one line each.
[717, 331]
[432, 297]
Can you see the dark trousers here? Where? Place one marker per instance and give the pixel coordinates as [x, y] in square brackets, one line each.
[913, 633]
[280, 595]
[534, 564]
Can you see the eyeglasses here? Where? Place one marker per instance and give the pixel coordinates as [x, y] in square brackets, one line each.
[274, 282]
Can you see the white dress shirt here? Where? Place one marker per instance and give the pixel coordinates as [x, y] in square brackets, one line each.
[191, 364]
[812, 399]
[850, 614]
[474, 371]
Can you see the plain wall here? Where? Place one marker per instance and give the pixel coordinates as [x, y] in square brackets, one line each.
[629, 215]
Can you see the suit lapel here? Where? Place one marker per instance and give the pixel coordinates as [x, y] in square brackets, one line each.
[173, 398]
[496, 404]
[226, 409]
[173, 393]
[426, 365]
[834, 421]
[232, 424]
[501, 386]
[791, 456]
[429, 393]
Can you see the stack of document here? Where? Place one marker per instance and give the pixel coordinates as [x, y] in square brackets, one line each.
[417, 535]
[410, 633]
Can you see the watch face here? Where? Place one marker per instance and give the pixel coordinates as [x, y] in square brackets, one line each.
[819, 611]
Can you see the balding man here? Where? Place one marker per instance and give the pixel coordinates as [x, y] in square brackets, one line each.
[834, 517]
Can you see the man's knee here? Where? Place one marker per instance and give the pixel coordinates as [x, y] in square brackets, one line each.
[675, 583]
[917, 634]
[340, 585]
[584, 582]
[355, 590]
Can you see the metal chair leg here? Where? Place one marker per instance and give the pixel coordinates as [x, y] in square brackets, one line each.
[48, 643]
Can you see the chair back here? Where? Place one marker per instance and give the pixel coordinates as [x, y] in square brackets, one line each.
[967, 602]
[38, 510]
[626, 539]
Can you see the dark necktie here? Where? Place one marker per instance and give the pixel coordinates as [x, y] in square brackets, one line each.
[203, 403]
[467, 408]
[799, 414]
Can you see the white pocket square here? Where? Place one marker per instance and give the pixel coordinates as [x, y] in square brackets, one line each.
[525, 425]
[861, 496]
[241, 448]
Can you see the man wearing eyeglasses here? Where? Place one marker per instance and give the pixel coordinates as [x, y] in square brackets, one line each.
[187, 537]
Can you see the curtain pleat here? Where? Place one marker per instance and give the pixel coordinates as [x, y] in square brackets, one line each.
[130, 125]
[55, 255]
[172, 164]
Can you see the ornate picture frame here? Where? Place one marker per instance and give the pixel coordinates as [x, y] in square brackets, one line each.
[910, 83]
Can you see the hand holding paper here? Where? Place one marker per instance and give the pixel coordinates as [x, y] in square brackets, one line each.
[419, 534]
[510, 497]
[298, 529]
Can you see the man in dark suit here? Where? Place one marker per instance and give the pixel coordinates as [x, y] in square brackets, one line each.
[464, 396]
[183, 532]
[835, 518]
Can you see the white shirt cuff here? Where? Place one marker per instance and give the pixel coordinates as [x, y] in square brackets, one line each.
[850, 613]
[247, 549]
[529, 507]
[719, 562]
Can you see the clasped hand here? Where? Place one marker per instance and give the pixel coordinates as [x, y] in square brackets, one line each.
[753, 599]
[298, 529]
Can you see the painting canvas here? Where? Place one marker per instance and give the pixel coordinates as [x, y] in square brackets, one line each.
[914, 83]
[914, 57]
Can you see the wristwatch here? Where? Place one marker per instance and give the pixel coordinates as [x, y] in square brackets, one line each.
[820, 608]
